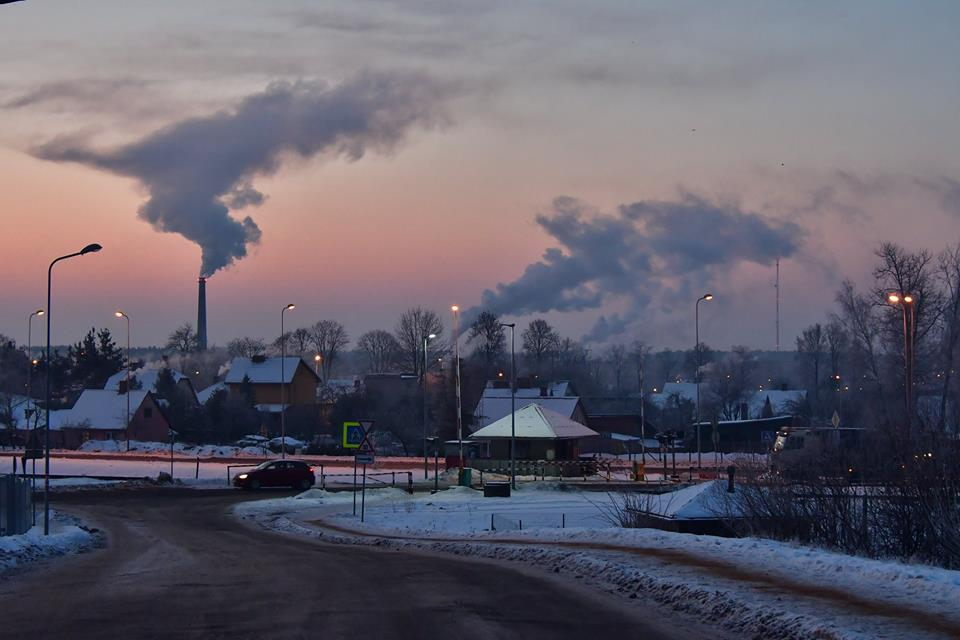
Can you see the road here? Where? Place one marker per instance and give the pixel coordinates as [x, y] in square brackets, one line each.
[178, 565]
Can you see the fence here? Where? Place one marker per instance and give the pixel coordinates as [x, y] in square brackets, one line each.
[534, 521]
[16, 506]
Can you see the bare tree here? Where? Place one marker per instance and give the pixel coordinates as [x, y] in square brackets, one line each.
[328, 337]
[949, 275]
[246, 347]
[858, 316]
[732, 380]
[490, 338]
[413, 326]
[810, 347]
[539, 341]
[183, 339]
[640, 352]
[300, 339]
[380, 350]
[617, 357]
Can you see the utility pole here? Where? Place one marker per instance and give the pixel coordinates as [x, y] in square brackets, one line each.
[777, 287]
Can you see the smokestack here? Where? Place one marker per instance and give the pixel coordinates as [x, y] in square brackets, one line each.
[202, 315]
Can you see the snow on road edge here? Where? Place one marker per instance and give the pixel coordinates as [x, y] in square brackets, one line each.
[744, 616]
[67, 536]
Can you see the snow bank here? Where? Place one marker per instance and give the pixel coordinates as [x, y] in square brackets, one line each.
[66, 536]
[641, 564]
[181, 448]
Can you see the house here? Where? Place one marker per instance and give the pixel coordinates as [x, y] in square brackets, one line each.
[269, 377]
[495, 402]
[539, 433]
[205, 394]
[147, 377]
[100, 414]
[745, 436]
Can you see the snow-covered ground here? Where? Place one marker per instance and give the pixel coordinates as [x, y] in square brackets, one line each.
[753, 587]
[66, 536]
[179, 449]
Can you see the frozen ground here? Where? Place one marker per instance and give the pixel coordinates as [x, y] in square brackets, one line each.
[757, 588]
[66, 536]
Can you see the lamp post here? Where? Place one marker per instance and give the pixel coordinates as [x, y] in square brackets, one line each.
[456, 373]
[905, 301]
[90, 248]
[283, 383]
[121, 314]
[708, 297]
[317, 359]
[30, 361]
[426, 462]
[31, 410]
[513, 402]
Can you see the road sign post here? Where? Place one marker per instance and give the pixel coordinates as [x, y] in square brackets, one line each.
[356, 435]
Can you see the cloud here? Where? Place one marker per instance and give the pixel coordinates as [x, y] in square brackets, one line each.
[653, 254]
[947, 190]
[198, 169]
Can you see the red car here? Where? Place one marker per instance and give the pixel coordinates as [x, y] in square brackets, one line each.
[277, 473]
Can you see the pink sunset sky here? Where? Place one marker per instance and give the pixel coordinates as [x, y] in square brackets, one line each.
[746, 131]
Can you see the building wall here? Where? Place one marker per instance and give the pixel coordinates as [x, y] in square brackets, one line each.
[301, 390]
[148, 422]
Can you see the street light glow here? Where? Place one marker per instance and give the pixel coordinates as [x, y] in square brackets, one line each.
[119, 314]
[893, 298]
[908, 298]
[454, 308]
[431, 336]
[708, 297]
[290, 307]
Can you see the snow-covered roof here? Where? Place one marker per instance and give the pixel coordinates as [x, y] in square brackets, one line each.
[147, 376]
[101, 409]
[205, 394]
[266, 371]
[491, 409]
[550, 389]
[535, 421]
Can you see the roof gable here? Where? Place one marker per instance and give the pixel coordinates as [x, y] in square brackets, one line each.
[266, 371]
[537, 422]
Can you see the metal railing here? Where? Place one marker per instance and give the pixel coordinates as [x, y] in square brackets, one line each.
[16, 505]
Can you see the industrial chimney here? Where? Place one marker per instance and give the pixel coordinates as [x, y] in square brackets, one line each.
[202, 315]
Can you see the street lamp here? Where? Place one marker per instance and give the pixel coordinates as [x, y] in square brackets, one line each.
[121, 314]
[513, 403]
[283, 383]
[32, 409]
[426, 339]
[708, 297]
[909, 332]
[30, 360]
[317, 359]
[456, 373]
[90, 248]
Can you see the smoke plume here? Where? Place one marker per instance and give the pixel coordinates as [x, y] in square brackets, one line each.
[198, 170]
[649, 256]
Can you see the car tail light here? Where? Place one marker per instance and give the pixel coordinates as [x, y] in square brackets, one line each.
[311, 469]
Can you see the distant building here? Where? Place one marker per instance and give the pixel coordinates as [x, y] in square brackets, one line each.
[495, 401]
[147, 377]
[540, 434]
[101, 415]
[268, 376]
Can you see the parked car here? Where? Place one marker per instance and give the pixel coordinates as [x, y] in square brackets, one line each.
[277, 473]
[287, 443]
[252, 441]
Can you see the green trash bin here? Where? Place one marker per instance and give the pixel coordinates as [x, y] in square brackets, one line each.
[466, 477]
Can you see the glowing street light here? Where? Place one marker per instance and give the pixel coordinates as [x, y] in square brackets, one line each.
[90, 248]
[696, 312]
[905, 301]
[283, 383]
[121, 314]
[426, 462]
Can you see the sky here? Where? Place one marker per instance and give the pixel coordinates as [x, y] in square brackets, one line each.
[598, 164]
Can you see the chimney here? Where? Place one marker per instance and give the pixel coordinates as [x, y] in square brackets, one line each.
[202, 315]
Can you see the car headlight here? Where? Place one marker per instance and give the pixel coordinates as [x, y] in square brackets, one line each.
[242, 476]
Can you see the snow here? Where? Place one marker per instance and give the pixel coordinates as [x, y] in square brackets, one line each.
[66, 536]
[534, 421]
[102, 409]
[266, 372]
[661, 568]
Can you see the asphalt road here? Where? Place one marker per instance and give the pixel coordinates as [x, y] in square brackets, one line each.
[178, 565]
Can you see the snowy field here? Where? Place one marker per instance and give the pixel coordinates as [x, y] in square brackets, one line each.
[753, 587]
[66, 536]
